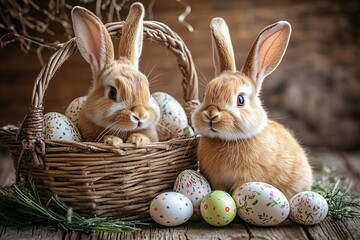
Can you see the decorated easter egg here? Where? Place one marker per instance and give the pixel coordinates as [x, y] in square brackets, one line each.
[218, 208]
[74, 108]
[171, 209]
[308, 208]
[188, 131]
[59, 127]
[194, 186]
[173, 118]
[261, 204]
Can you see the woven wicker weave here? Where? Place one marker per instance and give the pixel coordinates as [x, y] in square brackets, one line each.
[94, 178]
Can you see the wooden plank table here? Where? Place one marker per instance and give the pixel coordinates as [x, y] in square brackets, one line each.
[347, 164]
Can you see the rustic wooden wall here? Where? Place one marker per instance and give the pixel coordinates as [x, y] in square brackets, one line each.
[315, 91]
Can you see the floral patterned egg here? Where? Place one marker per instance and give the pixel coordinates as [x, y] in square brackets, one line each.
[74, 108]
[218, 208]
[171, 209]
[308, 208]
[59, 127]
[173, 118]
[261, 204]
[194, 186]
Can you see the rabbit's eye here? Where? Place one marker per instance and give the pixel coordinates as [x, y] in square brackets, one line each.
[112, 93]
[240, 100]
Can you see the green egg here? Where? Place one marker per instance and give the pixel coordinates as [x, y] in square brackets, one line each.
[218, 208]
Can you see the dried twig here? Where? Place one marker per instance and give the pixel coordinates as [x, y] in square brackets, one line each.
[33, 23]
[182, 17]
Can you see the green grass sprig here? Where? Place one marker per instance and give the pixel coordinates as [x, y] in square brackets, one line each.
[336, 191]
[22, 206]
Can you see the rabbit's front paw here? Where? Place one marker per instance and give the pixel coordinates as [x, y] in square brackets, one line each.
[139, 140]
[113, 141]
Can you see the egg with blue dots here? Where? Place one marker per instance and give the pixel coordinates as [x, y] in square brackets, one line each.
[218, 208]
[171, 209]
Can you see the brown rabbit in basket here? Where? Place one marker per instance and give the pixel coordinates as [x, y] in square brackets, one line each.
[239, 143]
[119, 105]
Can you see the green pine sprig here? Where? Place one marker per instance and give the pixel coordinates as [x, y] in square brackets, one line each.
[22, 206]
[336, 191]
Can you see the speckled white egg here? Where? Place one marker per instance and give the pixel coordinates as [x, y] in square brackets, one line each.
[218, 208]
[173, 118]
[261, 204]
[308, 208]
[194, 186]
[171, 209]
[59, 127]
[74, 108]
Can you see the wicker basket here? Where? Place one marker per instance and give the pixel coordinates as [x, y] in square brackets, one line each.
[94, 178]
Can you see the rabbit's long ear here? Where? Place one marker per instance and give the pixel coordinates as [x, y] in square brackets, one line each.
[92, 38]
[131, 40]
[267, 51]
[223, 53]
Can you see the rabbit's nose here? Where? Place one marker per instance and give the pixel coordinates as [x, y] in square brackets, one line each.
[139, 118]
[212, 115]
[139, 114]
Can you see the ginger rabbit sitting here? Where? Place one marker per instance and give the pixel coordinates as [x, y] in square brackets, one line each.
[238, 142]
[119, 102]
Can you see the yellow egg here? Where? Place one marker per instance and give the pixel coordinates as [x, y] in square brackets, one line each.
[218, 208]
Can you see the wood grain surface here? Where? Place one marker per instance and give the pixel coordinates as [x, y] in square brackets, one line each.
[327, 229]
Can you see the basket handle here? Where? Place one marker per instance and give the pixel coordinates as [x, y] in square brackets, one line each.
[31, 129]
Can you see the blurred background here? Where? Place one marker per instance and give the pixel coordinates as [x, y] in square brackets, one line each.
[315, 91]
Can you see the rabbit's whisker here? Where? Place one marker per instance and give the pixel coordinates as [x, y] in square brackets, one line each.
[155, 77]
[152, 69]
[104, 132]
[203, 81]
[279, 118]
[99, 136]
